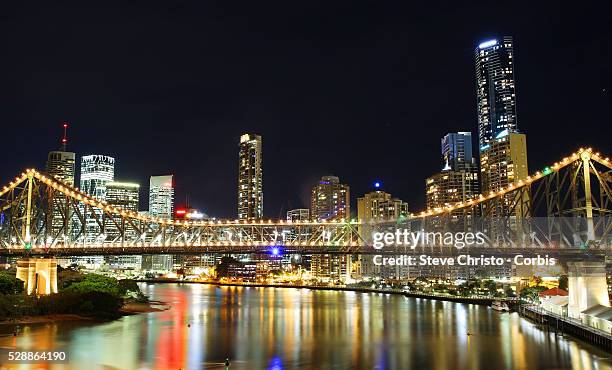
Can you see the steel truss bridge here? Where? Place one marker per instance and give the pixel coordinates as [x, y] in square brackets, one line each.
[564, 207]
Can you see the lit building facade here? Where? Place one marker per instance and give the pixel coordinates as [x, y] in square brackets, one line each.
[161, 196]
[495, 88]
[380, 207]
[330, 200]
[457, 151]
[124, 195]
[250, 178]
[61, 166]
[449, 187]
[503, 162]
[161, 204]
[96, 171]
[298, 214]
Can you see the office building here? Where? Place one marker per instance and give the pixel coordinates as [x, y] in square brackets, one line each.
[61, 166]
[376, 210]
[250, 178]
[124, 195]
[96, 171]
[330, 199]
[161, 205]
[457, 151]
[449, 187]
[495, 88]
[503, 162]
[161, 196]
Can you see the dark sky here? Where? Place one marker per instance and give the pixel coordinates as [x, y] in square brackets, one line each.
[362, 90]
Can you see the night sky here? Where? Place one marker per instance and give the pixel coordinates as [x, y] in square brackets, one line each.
[361, 91]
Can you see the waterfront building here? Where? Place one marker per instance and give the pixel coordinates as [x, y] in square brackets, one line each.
[450, 187]
[330, 200]
[503, 162]
[124, 195]
[61, 166]
[250, 178]
[161, 205]
[495, 88]
[378, 209]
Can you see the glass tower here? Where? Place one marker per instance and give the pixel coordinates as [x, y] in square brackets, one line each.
[250, 178]
[495, 89]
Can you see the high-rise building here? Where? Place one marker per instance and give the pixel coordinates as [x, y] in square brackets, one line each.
[330, 199]
[161, 196]
[495, 88]
[250, 178]
[161, 204]
[96, 171]
[124, 195]
[298, 214]
[458, 181]
[457, 151]
[503, 162]
[61, 166]
[449, 187]
[379, 207]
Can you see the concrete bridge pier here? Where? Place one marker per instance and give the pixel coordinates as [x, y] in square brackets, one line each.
[39, 275]
[587, 286]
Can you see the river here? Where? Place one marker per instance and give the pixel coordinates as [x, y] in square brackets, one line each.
[280, 328]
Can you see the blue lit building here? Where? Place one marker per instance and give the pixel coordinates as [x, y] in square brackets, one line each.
[495, 88]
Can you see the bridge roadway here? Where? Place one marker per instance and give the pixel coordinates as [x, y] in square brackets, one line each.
[566, 254]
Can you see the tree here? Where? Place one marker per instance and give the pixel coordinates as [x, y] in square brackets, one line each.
[97, 283]
[537, 280]
[563, 283]
[9, 284]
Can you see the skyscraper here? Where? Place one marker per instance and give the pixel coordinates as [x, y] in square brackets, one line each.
[458, 180]
[457, 151]
[495, 88]
[161, 204]
[61, 166]
[330, 199]
[375, 207]
[250, 178]
[61, 163]
[161, 196]
[96, 171]
[503, 162]
[126, 196]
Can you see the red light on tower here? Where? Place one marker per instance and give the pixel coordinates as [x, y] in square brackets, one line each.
[181, 212]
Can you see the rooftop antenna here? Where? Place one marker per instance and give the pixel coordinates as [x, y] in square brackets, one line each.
[65, 138]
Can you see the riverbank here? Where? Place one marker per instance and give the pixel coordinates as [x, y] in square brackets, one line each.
[485, 301]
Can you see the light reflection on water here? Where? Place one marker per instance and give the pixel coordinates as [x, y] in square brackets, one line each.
[266, 328]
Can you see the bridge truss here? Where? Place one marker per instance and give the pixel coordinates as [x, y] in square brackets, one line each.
[566, 205]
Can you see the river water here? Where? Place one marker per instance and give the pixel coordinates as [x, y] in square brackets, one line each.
[279, 328]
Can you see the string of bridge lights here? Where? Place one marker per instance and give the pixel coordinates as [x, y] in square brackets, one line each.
[77, 194]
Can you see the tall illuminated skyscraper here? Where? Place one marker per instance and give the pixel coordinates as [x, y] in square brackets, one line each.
[161, 204]
[96, 171]
[457, 151]
[126, 196]
[330, 199]
[495, 88]
[161, 196]
[61, 166]
[250, 178]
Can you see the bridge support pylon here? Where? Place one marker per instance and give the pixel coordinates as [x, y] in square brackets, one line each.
[39, 275]
[587, 286]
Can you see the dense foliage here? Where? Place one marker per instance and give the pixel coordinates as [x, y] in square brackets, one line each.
[83, 294]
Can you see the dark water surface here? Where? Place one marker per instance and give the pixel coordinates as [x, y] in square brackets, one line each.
[276, 328]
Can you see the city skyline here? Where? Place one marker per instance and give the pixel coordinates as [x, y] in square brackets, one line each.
[152, 134]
